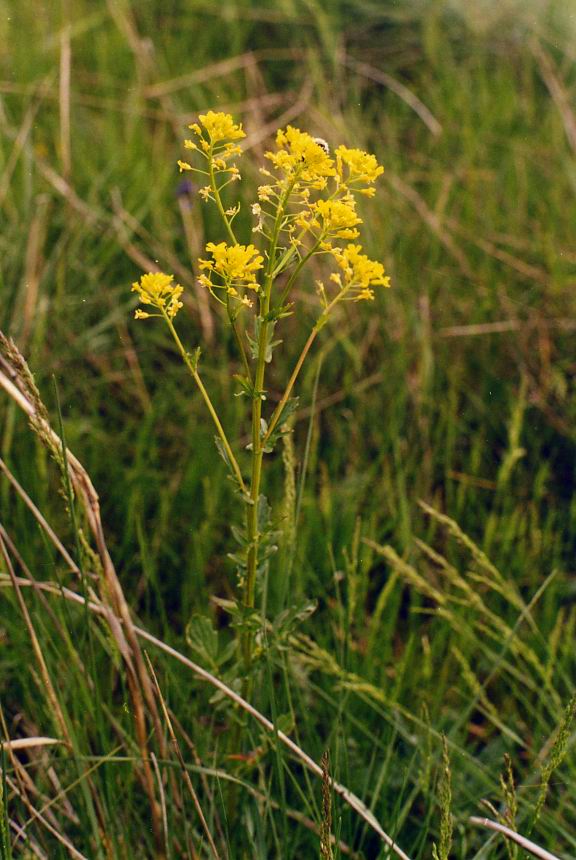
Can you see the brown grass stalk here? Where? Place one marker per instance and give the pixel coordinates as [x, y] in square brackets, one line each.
[344, 793]
[524, 843]
[139, 684]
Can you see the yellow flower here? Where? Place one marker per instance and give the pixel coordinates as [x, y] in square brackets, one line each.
[265, 193]
[338, 218]
[361, 167]
[157, 289]
[236, 265]
[219, 126]
[216, 133]
[299, 155]
[359, 273]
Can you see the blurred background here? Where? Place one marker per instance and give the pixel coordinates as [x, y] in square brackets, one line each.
[456, 387]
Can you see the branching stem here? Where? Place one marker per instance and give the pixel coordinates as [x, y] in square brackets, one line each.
[214, 415]
[218, 199]
[257, 446]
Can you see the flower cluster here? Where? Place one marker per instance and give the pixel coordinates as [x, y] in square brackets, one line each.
[232, 268]
[359, 274]
[300, 159]
[307, 207]
[316, 193]
[331, 219]
[219, 127]
[157, 289]
[356, 169]
[215, 133]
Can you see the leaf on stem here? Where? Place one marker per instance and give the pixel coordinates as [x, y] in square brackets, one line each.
[203, 639]
[264, 511]
[281, 428]
[194, 358]
[246, 386]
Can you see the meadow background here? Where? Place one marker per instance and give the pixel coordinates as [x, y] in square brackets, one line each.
[432, 468]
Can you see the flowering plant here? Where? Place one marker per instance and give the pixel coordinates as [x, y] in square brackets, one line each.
[305, 208]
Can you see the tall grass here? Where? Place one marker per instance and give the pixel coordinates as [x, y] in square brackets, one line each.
[452, 618]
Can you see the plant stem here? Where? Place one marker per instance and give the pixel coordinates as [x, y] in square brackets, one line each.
[196, 376]
[232, 236]
[279, 408]
[257, 447]
[277, 414]
[238, 339]
[218, 199]
[297, 271]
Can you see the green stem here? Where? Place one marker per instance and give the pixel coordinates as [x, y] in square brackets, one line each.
[291, 382]
[232, 236]
[298, 269]
[238, 339]
[287, 256]
[277, 414]
[257, 447]
[218, 199]
[196, 377]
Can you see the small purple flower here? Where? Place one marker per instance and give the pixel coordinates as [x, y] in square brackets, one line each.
[185, 188]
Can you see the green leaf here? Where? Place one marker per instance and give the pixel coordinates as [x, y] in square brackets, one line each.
[253, 343]
[222, 451]
[285, 723]
[279, 313]
[264, 511]
[289, 409]
[286, 622]
[228, 652]
[281, 429]
[246, 618]
[270, 344]
[245, 385]
[203, 639]
[227, 605]
[270, 347]
[239, 560]
[239, 535]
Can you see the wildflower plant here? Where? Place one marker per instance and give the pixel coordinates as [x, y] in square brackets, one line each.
[305, 208]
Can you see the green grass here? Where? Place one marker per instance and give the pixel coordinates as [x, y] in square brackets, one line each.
[423, 627]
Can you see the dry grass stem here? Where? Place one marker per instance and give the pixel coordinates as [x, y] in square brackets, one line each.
[64, 100]
[138, 680]
[349, 797]
[524, 843]
[63, 840]
[38, 653]
[563, 99]
[184, 770]
[400, 90]
[29, 743]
